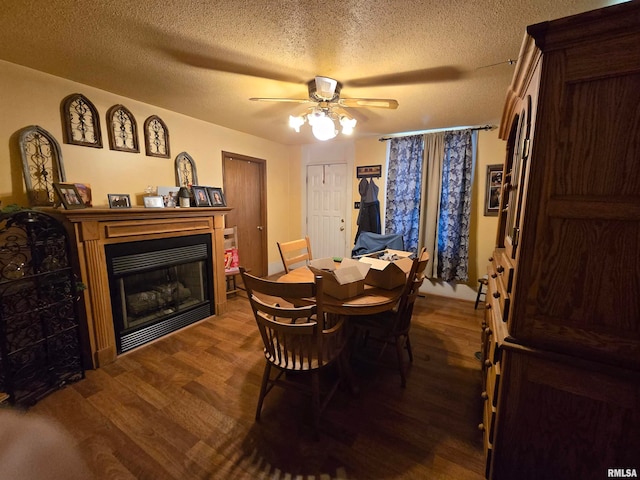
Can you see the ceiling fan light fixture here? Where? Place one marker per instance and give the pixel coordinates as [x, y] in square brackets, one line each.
[296, 122]
[323, 128]
[348, 124]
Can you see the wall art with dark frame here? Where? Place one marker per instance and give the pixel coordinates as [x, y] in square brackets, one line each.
[493, 190]
[123, 130]
[156, 137]
[186, 173]
[80, 121]
[41, 164]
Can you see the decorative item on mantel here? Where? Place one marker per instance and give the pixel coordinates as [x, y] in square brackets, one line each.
[41, 164]
[186, 173]
[169, 195]
[184, 197]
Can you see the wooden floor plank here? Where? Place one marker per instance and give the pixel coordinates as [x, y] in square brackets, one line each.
[183, 407]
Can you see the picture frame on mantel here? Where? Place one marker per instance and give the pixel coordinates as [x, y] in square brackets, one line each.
[69, 195]
[200, 196]
[216, 197]
[493, 190]
[119, 200]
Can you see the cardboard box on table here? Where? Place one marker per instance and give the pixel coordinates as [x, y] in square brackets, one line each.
[343, 280]
[385, 273]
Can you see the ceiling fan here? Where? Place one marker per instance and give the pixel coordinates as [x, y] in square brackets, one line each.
[327, 90]
[329, 108]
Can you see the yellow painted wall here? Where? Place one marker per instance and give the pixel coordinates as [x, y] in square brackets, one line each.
[29, 97]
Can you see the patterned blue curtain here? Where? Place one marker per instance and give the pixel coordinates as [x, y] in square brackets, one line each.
[404, 175]
[455, 206]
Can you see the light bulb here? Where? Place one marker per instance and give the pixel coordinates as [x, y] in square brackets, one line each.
[323, 128]
[347, 124]
[296, 122]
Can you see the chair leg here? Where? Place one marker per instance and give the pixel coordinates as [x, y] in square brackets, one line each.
[409, 351]
[475, 307]
[481, 283]
[403, 379]
[263, 388]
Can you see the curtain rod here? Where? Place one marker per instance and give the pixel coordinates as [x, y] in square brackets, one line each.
[434, 130]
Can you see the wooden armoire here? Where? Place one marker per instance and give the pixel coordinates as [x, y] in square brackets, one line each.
[561, 334]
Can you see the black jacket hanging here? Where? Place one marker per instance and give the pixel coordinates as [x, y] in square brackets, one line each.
[369, 216]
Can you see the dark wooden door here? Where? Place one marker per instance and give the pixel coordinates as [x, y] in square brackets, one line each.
[244, 180]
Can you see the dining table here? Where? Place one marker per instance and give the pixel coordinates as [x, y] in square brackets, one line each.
[372, 300]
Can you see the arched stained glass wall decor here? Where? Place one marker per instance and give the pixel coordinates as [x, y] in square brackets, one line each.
[123, 129]
[80, 121]
[186, 173]
[156, 137]
[41, 164]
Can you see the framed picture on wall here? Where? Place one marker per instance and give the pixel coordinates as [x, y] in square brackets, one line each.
[494, 190]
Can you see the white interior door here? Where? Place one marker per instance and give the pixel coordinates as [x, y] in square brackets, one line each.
[326, 210]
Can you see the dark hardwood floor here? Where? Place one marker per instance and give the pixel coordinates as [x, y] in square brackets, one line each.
[183, 408]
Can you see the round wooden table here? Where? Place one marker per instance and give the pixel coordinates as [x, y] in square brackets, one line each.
[372, 300]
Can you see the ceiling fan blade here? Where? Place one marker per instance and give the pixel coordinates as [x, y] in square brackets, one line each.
[288, 100]
[425, 75]
[368, 102]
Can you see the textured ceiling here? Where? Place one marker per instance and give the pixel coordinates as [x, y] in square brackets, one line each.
[444, 61]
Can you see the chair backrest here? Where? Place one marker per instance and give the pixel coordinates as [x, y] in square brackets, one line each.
[230, 237]
[423, 259]
[294, 330]
[404, 309]
[295, 252]
[402, 320]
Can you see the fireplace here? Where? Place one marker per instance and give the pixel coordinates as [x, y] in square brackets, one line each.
[158, 286]
[171, 233]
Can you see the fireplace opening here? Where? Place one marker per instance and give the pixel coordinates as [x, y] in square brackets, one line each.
[159, 286]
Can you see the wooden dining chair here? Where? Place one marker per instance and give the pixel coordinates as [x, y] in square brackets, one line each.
[297, 339]
[393, 326]
[295, 252]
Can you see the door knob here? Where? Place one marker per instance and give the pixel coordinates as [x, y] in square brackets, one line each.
[260, 227]
[342, 229]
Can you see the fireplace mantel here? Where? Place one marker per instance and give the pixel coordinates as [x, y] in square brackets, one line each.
[93, 228]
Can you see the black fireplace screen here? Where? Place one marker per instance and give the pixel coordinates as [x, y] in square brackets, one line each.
[158, 286]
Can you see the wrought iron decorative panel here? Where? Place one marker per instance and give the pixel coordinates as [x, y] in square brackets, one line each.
[80, 120]
[41, 164]
[186, 173]
[156, 137]
[123, 129]
[39, 329]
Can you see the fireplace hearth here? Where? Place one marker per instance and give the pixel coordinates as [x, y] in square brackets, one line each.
[158, 286]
